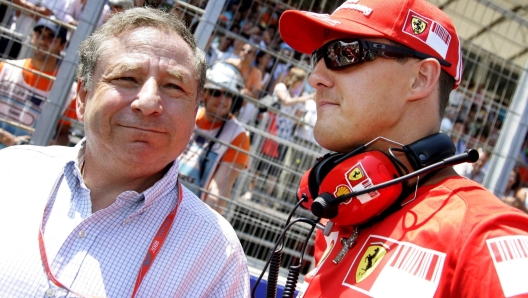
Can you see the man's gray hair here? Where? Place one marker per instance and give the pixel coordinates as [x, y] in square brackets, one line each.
[120, 23]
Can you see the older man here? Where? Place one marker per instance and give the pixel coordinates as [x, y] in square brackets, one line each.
[109, 217]
[385, 69]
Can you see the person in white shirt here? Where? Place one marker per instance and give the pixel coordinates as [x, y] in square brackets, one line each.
[109, 217]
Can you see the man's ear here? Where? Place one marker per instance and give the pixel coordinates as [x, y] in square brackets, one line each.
[81, 101]
[426, 76]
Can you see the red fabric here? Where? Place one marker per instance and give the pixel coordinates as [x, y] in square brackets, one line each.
[454, 240]
[414, 23]
[270, 147]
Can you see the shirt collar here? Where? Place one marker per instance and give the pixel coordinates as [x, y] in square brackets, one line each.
[150, 196]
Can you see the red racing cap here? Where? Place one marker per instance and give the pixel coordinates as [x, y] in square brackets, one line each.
[416, 24]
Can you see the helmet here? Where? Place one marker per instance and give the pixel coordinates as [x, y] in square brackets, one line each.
[225, 76]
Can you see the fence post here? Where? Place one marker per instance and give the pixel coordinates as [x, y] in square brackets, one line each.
[207, 22]
[510, 140]
[45, 127]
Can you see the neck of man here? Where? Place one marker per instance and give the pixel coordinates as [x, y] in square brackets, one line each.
[215, 118]
[44, 63]
[107, 179]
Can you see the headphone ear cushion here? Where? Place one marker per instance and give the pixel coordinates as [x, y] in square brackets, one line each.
[358, 173]
[319, 172]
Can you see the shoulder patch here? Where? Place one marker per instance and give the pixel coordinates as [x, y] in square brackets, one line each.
[510, 257]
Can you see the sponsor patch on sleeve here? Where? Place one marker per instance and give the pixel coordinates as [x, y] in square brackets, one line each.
[510, 257]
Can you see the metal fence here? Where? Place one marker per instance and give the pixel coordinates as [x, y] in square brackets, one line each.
[488, 110]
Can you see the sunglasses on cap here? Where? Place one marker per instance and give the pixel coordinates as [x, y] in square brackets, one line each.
[343, 53]
[218, 93]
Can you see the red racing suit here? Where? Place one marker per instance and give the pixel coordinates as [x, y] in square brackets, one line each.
[455, 239]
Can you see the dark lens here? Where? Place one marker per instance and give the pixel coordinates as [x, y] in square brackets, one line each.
[316, 56]
[341, 53]
[229, 94]
[216, 93]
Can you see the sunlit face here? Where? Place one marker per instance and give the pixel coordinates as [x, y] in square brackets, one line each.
[247, 53]
[46, 43]
[359, 103]
[217, 104]
[142, 107]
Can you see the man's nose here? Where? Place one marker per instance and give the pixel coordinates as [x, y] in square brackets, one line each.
[148, 99]
[319, 77]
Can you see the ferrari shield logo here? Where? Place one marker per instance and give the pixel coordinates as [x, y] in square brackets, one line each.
[355, 174]
[418, 25]
[369, 261]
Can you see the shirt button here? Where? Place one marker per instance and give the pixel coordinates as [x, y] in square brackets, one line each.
[82, 234]
[50, 292]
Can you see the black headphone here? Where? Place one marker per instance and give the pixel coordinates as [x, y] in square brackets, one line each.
[355, 187]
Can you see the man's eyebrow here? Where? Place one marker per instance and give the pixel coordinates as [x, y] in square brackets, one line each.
[128, 66]
[177, 74]
[123, 67]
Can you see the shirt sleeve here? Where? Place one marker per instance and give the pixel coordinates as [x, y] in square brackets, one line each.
[235, 155]
[493, 262]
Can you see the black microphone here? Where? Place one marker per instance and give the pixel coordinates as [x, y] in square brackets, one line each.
[325, 205]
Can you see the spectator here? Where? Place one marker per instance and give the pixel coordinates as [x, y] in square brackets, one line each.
[212, 52]
[10, 47]
[25, 92]
[256, 35]
[270, 36]
[521, 198]
[251, 74]
[206, 162]
[475, 171]
[263, 60]
[24, 21]
[113, 220]
[292, 104]
[75, 8]
[515, 194]
[281, 68]
[234, 51]
[459, 135]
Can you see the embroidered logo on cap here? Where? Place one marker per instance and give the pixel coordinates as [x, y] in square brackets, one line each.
[418, 25]
[323, 17]
[428, 31]
[353, 5]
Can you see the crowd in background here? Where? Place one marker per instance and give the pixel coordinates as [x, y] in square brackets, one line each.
[275, 76]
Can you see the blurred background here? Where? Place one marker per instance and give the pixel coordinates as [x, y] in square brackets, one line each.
[487, 112]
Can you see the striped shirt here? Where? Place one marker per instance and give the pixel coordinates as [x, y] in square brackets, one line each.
[99, 254]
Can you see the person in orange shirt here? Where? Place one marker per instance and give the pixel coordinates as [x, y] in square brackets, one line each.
[26, 83]
[251, 74]
[208, 166]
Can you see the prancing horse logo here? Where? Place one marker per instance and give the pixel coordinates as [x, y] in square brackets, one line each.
[369, 261]
[418, 25]
[355, 174]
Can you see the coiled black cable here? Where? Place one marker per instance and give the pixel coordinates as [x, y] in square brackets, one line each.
[291, 281]
[295, 271]
[273, 274]
[279, 241]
